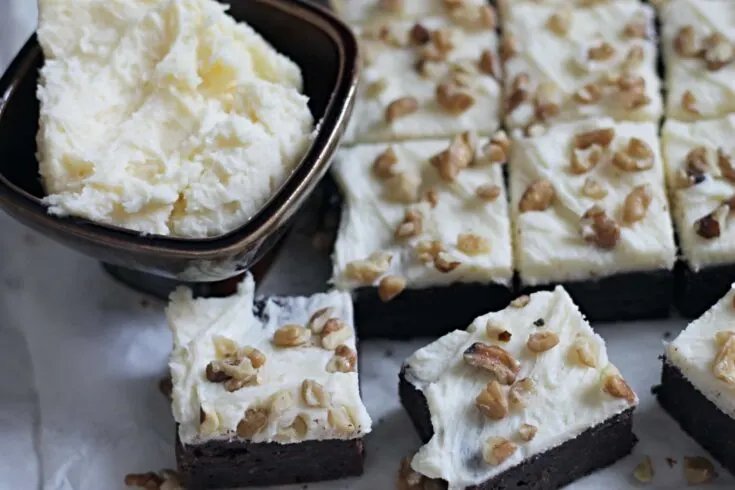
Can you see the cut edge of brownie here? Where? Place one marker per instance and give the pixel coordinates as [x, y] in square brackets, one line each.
[237, 463]
[709, 426]
[619, 297]
[596, 448]
[697, 291]
[430, 312]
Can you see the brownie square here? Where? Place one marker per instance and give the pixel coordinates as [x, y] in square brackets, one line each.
[590, 211]
[433, 79]
[265, 392]
[698, 380]
[701, 175]
[696, 40]
[499, 393]
[415, 238]
[565, 63]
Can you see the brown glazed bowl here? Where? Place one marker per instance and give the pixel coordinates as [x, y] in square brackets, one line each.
[327, 53]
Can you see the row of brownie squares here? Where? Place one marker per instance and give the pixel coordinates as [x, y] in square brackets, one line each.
[266, 391]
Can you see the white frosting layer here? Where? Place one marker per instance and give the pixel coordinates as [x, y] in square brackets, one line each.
[695, 349]
[163, 116]
[369, 218]
[714, 90]
[396, 68]
[195, 322]
[567, 398]
[693, 203]
[549, 245]
[561, 60]
[367, 11]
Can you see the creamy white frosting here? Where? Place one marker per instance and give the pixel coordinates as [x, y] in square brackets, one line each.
[549, 246]
[558, 60]
[367, 11]
[195, 322]
[695, 349]
[691, 204]
[163, 116]
[369, 218]
[395, 67]
[567, 397]
[714, 90]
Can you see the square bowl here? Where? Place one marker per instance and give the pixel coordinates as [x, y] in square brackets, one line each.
[327, 53]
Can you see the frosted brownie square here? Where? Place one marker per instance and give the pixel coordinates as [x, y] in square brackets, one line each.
[701, 173]
[431, 79]
[590, 211]
[424, 225]
[526, 394]
[370, 11]
[564, 64]
[265, 391]
[697, 40]
[698, 382]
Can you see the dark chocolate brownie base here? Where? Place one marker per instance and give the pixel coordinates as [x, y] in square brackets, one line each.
[231, 464]
[696, 292]
[621, 297]
[594, 449]
[697, 416]
[428, 312]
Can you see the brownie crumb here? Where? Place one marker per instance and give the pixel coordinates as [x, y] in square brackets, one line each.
[540, 322]
[671, 462]
[667, 335]
[166, 386]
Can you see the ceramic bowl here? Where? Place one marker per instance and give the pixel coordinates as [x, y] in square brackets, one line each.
[327, 53]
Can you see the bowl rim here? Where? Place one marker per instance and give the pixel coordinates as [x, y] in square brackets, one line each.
[279, 207]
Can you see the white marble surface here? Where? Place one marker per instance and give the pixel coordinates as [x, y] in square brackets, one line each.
[81, 357]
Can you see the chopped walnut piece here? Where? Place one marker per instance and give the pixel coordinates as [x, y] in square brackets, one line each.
[297, 430]
[685, 42]
[411, 226]
[593, 189]
[427, 251]
[632, 99]
[497, 149]
[584, 351]
[163, 480]
[291, 336]
[599, 228]
[644, 471]
[488, 192]
[495, 331]
[538, 196]
[560, 21]
[596, 137]
[637, 203]
[280, 402]
[518, 394]
[726, 165]
[637, 28]
[395, 6]
[520, 301]
[542, 341]
[419, 34]
[442, 39]
[724, 364]
[314, 394]
[432, 197]
[717, 52]
[340, 419]
[343, 361]
[443, 262]
[487, 63]
[492, 401]
[589, 94]
[601, 51]
[497, 450]
[495, 360]
[508, 47]
[254, 421]
[710, 226]
[402, 188]
[459, 155]
[376, 88]
[584, 160]
[390, 287]
[367, 271]
[334, 333]
[453, 98]
[472, 244]
[527, 432]
[400, 108]
[634, 58]
[636, 157]
[319, 319]
[384, 163]
[698, 470]
[616, 386]
[515, 98]
[208, 421]
[547, 101]
[689, 102]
